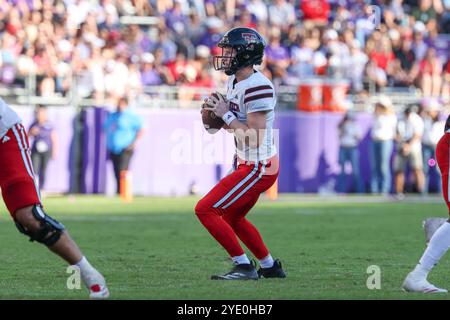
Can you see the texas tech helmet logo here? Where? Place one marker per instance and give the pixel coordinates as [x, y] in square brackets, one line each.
[250, 37]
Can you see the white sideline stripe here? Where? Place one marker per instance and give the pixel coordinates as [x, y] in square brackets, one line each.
[240, 184]
[263, 170]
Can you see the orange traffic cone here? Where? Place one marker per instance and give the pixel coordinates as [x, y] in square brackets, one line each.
[126, 192]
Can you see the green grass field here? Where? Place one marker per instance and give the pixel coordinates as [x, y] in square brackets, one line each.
[155, 248]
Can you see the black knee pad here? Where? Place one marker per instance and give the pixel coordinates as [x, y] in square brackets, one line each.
[49, 232]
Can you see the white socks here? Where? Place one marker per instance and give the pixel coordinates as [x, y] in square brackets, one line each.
[438, 246]
[89, 274]
[243, 259]
[84, 265]
[266, 262]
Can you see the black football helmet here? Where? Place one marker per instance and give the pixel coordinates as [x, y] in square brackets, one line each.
[249, 47]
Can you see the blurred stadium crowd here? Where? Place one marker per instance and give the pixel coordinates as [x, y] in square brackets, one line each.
[87, 41]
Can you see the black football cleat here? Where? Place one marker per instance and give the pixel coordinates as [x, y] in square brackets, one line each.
[276, 271]
[239, 272]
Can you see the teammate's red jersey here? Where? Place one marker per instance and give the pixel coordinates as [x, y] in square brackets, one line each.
[442, 157]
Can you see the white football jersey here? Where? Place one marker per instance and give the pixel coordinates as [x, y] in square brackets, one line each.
[8, 118]
[256, 93]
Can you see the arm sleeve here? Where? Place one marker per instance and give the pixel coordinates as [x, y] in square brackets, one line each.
[261, 100]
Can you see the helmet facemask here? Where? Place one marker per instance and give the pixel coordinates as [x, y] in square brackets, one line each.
[226, 61]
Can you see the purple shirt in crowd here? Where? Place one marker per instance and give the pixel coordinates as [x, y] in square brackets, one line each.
[42, 142]
[150, 78]
[277, 53]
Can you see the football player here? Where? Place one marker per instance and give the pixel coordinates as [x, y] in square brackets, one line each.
[248, 111]
[22, 198]
[416, 281]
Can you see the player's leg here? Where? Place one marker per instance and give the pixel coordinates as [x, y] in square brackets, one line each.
[235, 214]
[209, 212]
[21, 196]
[36, 224]
[416, 281]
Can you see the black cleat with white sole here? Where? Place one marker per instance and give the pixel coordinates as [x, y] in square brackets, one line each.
[276, 271]
[239, 272]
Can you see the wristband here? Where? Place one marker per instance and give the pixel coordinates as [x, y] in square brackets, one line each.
[228, 117]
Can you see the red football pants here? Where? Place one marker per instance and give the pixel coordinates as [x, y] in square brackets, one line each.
[222, 211]
[19, 188]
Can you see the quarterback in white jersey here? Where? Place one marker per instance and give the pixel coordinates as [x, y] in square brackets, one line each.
[254, 94]
[248, 111]
[21, 196]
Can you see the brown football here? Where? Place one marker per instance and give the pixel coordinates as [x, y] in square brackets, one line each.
[211, 122]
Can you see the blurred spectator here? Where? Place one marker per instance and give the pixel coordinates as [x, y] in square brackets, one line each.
[168, 46]
[349, 137]
[403, 64]
[433, 128]
[383, 134]
[212, 34]
[123, 130]
[409, 150]
[150, 76]
[446, 82]
[315, 12]
[335, 52]
[428, 74]
[365, 24]
[419, 46]
[281, 14]
[44, 143]
[259, 9]
[59, 43]
[382, 55]
[302, 60]
[277, 56]
[176, 19]
[427, 10]
[245, 19]
[356, 66]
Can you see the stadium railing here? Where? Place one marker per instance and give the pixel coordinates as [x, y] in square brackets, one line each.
[187, 97]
